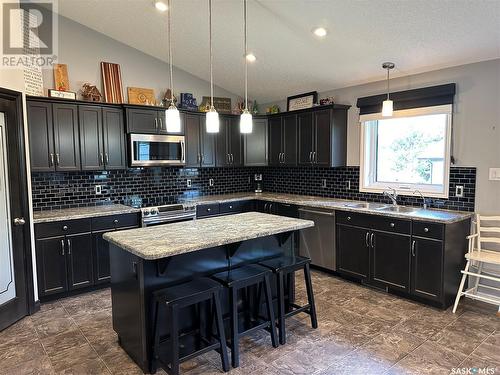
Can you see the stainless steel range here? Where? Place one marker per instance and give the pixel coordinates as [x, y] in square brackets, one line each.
[170, 213]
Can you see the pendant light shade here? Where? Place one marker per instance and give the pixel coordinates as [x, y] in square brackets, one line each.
[387, 105]
[246, 117]
[212, 120]
[172, 117]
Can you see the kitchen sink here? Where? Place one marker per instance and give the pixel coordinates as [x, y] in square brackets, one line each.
[369, 205]
[401, 209]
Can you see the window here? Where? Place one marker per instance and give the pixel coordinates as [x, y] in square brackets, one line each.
[408, 151]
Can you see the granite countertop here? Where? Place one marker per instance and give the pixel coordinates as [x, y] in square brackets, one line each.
[81, 212]
[166, 240]
[434, 215]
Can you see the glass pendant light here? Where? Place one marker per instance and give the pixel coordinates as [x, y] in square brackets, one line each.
[246, 116]
[172, 116]
[387, 105]
[212, 120]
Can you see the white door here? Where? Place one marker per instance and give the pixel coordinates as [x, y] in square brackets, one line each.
[7, 281]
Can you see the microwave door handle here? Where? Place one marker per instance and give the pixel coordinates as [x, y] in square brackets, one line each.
[183, 154]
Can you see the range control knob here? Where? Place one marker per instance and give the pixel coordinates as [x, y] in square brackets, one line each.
[154, 211]
[146, 212]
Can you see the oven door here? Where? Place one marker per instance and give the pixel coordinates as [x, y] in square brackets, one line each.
[148, 150]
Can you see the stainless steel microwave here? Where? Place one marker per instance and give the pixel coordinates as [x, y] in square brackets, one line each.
[148, 150]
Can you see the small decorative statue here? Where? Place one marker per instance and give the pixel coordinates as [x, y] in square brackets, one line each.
[167, 98]
[91, 93]
[255, 108]
[273, 109]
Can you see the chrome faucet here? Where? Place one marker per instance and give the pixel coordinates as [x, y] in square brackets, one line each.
[393, 196]
[424, 205]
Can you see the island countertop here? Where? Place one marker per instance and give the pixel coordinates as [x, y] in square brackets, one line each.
[162, 241]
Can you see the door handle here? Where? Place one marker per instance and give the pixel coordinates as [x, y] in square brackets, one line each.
[161, 123]
[372, 240]
[62, 247]
[366, 239]
[232, 158]
[51, 159]
[315, 158]
[183, 153]
[69, 246]
[413, 245]
[19, 221]
[57, 159]
[310, 157]
[156, 123]
[107, 157]
[101, 159]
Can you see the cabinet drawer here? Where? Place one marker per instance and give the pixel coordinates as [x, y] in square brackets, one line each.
[61, 228]
[231, 207]
[207, 210]
[115, 221]
[353, 218]
[429, 230]
[390, 224]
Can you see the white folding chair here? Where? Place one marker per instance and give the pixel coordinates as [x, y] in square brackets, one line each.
[487, 234]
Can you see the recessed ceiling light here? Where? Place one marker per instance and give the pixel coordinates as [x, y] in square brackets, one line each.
[250, 57]
[161, 5]
[320, 32]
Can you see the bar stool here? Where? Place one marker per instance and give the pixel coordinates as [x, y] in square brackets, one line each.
[235, 280]
[281, 267]
[176, 298]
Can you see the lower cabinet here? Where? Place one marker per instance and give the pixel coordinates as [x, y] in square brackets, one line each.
[427, 268]
[51, 266]
[79, 261]
[353, 251]
[100, 250]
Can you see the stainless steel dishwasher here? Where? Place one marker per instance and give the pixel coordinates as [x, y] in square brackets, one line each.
[318, 242]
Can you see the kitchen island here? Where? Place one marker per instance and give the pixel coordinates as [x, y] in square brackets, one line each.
[147, 259]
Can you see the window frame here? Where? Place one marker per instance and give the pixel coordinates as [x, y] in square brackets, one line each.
[368, 158]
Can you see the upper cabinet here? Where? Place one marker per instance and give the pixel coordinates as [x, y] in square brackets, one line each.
[283, 140]
[200, 145]
[322, 136]
[147, 121]
[229, 142]
[255, 144]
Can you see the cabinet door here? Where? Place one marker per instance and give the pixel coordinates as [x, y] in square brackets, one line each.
[51, 265]
[222, 155]
[353, 251]
[322, 137]
[41, 136]
[92, 151]
[66, 137]
[236, 142]
[193, 149]
[275, 139]
[100, 254]
[306, 138]
[115, 151]
[290, 139]
[255, 144]
[142, 121]
[391, 259]
[207, 145]
[427, 270]
[80, 265]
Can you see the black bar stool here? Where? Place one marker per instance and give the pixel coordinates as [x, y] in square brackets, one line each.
[176, 298]
[235, 280]
[282, 267]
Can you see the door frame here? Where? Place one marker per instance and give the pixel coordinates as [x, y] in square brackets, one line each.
[15, 133]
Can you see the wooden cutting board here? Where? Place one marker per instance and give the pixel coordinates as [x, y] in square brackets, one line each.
[138, 95]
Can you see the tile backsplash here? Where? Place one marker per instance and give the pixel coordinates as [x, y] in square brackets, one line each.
[168, 185]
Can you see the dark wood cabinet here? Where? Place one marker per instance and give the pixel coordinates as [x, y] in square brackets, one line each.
[92, 148]
[229, 142]
[427, 268]
[390, 263]
[200, 145]
[305, 125]
[51, 265]
[353, 251]
[41, 136]
[79, 260]
[283, 140]
[66, 137]
[114, 138]
[322, 136]
[100, 251]
[148, 121]
[255, 144]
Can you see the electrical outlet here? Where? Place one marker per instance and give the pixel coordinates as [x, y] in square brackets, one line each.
[348, 184]
[323, 184]
[210, 182]
[459, 191]
[98, 190]
[494, 174]
[188, 183]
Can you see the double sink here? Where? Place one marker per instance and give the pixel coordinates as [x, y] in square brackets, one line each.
[382, 207]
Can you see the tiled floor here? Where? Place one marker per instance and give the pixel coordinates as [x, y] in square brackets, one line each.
[361, 331]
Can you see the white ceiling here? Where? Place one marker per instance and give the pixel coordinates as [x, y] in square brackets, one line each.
[418, 35]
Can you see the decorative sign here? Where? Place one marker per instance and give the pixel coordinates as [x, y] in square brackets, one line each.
[112, 83]
[302, 101]
[61, 80]
[222, 105]
[137, 95]
[62, 94]
[33, 81]
[188, 102]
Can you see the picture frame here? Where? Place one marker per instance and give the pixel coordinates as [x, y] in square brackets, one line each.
[301, 101]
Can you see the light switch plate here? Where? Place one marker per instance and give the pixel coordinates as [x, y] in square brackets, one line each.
[188, 183]
[459, 191]
[98, 189]
[323, 184]
[494, 174]
[211, 182]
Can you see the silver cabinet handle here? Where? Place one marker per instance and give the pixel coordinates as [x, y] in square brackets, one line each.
[101, 159]
[107, 157]
[183, 153]
[392, 225]
[349, 218]
[311, 157]
[230, 207]
[51, 159]
[426, 230]
[366, 239]
[65, 227]
[57, 159]
[62, 247]
[413, 245]
[324, 213]
[227, 158]
[372, 240]
[19, 221]
[161, 123]
[115, 221]
[156, 123]
[209, 209]
[232, 158]
[69, 246]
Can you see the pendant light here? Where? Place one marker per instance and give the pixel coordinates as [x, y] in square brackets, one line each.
[212, 120]
[246, 116]
[172, 116]
[387, 105]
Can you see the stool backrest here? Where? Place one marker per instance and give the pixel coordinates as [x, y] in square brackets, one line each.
[488, 230]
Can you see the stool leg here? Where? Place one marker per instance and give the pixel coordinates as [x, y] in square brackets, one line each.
[174, 340]
[310, 296]
[156, 333]
[235, 340]
[220, 332]
[281, 307]
[257, 306]
[270, 311]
